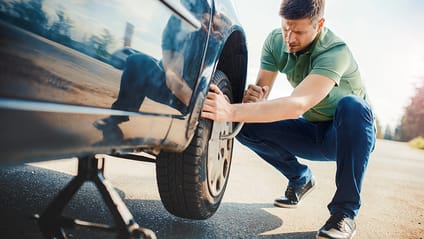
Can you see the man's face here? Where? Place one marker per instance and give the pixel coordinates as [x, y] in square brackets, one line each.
[298, 34]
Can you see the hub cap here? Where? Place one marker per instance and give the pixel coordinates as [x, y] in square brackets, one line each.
[219, 157]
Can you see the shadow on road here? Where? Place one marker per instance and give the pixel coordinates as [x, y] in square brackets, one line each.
[26, 190]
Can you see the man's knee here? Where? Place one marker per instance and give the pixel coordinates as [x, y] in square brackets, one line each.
[139, 60]
[243, 134]
[352, 106]
[247, 134]
[353, 109]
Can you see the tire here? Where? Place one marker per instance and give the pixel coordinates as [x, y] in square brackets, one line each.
[192, 183]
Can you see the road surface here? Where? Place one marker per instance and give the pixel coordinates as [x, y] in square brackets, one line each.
[393, 198]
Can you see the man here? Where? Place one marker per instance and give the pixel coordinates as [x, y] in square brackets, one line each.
[326, 117]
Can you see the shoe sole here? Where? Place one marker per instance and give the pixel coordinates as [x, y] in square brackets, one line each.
[277, 204]
[285, 205]
[322, 237]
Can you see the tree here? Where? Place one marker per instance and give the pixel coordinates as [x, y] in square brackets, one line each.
[60, 31]
[412, 123]
[388, 133]
[380, 134]
[30, 15]
[100, 44]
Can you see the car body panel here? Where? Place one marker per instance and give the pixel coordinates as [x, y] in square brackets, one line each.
[57, 79]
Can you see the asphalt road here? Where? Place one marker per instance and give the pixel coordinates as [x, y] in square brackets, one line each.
[393, 198]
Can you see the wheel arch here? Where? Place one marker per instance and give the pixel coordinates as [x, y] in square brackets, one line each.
[233, 62]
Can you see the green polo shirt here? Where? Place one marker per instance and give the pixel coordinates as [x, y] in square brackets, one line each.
[328, 56]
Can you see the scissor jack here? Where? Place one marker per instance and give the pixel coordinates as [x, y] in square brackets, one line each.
[52, 223]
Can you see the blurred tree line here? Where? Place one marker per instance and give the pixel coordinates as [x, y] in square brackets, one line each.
[29, 15]
[412, 122]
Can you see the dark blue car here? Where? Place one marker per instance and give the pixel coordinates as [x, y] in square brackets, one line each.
[64, 94]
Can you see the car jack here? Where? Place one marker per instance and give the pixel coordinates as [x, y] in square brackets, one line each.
[52, 223]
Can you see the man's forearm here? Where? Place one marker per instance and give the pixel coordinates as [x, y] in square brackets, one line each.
[267, 111]
[178, 87]
[217, 108]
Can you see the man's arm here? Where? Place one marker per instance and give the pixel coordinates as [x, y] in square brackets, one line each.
[306, 95]
[173, 63]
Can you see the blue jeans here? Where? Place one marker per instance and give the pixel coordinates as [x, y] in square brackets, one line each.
[348, 139]
[144, 77]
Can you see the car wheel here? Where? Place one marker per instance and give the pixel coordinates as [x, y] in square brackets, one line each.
[192, 183]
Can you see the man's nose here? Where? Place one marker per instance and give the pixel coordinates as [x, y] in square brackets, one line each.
[290, 36]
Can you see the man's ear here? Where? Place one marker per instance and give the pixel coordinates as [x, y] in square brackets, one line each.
[321, 24]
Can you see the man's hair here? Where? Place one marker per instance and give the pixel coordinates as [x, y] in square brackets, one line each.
[300, 9]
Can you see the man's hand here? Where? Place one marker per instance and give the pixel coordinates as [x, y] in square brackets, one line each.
[216, 106]
[255, 93]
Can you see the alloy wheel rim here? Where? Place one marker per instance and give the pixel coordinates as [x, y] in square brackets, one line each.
[219, 157]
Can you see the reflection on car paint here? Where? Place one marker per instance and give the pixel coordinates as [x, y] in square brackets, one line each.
[168, 81]
[118, 59]
[50, 49]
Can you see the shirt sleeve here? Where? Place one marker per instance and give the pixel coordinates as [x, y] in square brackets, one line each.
[332, 63]
[268, 61]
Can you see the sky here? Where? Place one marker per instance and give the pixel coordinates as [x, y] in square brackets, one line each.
[385, 36]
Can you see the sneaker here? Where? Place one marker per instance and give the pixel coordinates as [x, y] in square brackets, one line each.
[292, 196]
[112, 134]
[338, 226]
[109, 122]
